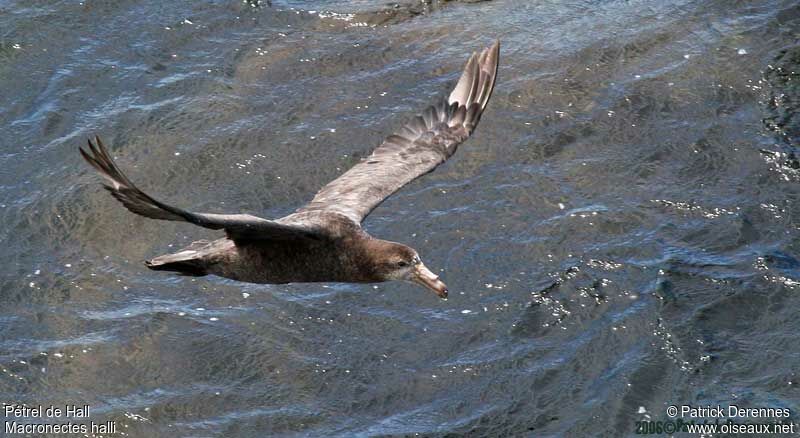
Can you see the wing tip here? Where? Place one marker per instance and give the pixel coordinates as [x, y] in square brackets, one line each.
[97, 156]
[476, 84]
[478, 77]
[491, 65]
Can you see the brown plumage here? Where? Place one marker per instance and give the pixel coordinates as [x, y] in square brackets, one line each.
[323, 241]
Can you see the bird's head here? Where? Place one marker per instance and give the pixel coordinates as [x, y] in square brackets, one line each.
[395, 261]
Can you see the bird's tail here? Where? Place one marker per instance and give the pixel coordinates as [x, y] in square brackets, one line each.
[188, 261]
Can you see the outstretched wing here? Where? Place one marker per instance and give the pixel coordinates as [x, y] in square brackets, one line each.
[237, 226]
[424, 143]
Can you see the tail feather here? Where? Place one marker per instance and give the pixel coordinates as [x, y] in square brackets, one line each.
[188, 261]
[192, 267]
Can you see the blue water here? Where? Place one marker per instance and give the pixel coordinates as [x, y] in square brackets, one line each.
[618, 236]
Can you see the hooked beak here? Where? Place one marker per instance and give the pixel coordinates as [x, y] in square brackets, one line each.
[421, 275]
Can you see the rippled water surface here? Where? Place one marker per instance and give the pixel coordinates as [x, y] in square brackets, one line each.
[619, 235]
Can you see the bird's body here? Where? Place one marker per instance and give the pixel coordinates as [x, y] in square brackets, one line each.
[323, 241]
[338, 258]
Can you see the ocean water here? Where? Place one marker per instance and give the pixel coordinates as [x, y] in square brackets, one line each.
[619, 235]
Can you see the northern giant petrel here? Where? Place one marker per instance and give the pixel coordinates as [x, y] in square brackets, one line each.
[323, 241]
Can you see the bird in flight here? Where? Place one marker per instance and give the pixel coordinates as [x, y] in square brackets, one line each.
[324, 241]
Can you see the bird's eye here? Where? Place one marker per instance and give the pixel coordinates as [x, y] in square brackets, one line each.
[402, 263]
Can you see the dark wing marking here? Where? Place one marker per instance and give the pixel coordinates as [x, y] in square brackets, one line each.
[421, 145]
[237, 226]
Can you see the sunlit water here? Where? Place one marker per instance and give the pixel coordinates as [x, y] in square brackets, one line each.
[619, 235]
